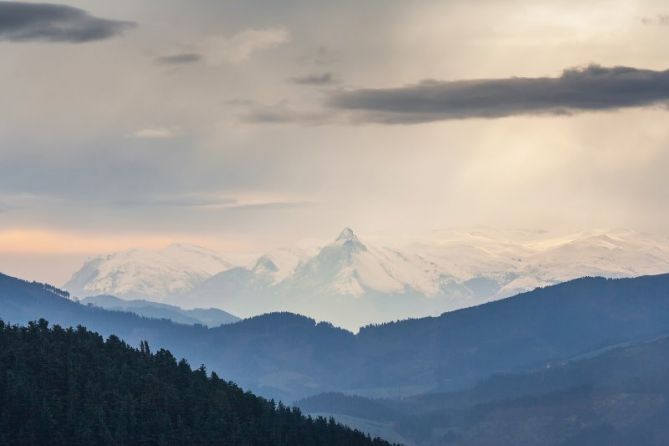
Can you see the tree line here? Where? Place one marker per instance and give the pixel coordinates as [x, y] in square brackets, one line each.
[71, 387]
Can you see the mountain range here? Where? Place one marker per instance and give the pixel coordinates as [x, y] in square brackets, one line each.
[575, 364]
[351, 282]
[288, 356]
[143, 273]
[617, 396]
[210, 317]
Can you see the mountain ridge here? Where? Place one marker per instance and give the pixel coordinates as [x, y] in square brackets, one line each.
[67, 386]
[353, 282]
[290, 356]
[210, 317]
[141, 273]
[604, 398]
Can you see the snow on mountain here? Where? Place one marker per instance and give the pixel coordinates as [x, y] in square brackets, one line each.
[250, 289]
[323, 285]
[521, 261]
[352, 282]
[463, 255]
[613, 254]
[141, 273]
[277, 265]
[349, 267]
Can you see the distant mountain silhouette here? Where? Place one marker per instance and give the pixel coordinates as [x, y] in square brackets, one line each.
[211, 317]
[289, 356]
[617, 397]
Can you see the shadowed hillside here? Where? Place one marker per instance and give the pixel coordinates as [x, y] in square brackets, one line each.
[289, 356]
[616, 397]
[210, 317]
[70, 387]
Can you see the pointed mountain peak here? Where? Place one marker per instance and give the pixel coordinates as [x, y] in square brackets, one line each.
[347, 235]
[349, 240]
[265, 264]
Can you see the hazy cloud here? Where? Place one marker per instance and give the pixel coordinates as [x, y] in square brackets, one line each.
[581, 89]
[315, 79]
[209, 201]
[183, 200]
[99, 128]
[660, 19]
[20, 22]
[19, 201]
[239, 47]
[271, 206]
[157, 133]
[321, 55]
[180, 59]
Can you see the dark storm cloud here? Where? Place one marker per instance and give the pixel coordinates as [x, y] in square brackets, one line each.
[315, 79]
[584, 89]
[270, 115]
[180, 59]
[282, 114]
[20, 22]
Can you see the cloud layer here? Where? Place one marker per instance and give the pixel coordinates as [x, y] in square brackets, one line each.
[315, 79]
[180, 59]
[583, 89]
[151, 132]
[20, 22]
[157, 133]
[239, 47]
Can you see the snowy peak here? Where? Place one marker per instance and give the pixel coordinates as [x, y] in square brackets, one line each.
[141, 273]
[351, 282]
[265, 265]
[278, 264]
[349, 267]
[349, 240]
[347, 235]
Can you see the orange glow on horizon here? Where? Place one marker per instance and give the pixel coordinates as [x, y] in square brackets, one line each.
[41, 241]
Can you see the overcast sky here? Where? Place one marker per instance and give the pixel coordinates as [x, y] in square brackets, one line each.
[246, 125]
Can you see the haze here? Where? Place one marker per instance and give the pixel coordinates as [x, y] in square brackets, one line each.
[243, 126]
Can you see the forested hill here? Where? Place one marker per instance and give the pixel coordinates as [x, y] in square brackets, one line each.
[288, 357]
[71, 387]
[615, 397]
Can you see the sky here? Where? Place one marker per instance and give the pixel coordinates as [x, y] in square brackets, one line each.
[248, 125]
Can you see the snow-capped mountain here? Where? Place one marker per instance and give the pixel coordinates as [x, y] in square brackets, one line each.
[349, 267]
[277, 265]
[352, 282]
[521, 261]
[151, 274]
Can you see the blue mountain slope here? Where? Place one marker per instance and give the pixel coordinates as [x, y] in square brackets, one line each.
[211, 317]
[614, 397]
[289, 356]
